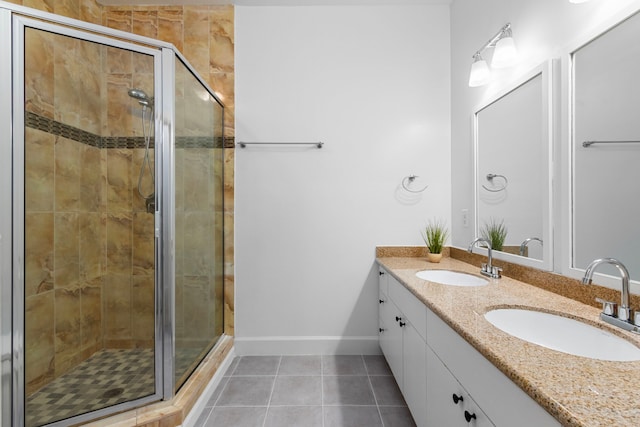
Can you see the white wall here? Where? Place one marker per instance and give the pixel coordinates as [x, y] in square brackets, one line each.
[372, 83]
[542, 29]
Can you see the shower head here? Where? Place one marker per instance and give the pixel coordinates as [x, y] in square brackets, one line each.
[141, 96]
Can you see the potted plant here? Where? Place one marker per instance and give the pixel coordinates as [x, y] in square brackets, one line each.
[495, 232]
[435, 236]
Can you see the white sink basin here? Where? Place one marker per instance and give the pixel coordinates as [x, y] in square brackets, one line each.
[563, 334]
[453, 278]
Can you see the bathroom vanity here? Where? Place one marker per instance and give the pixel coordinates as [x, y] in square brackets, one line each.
[455, 368]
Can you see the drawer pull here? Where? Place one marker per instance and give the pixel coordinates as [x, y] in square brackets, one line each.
[402, 324]
[398, 319]
[381, 301]
[457, 398]
[468, 416]
[381, 273]
[381, 330]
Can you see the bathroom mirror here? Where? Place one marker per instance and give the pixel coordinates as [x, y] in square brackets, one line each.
[606, 149]
[513, 139]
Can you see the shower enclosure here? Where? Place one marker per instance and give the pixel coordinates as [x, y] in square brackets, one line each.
[111, 232]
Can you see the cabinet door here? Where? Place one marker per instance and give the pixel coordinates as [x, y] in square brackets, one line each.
[414, 387]
[448, 404]
[391, 338]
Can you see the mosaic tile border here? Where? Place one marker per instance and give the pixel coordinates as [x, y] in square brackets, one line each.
[45, 124]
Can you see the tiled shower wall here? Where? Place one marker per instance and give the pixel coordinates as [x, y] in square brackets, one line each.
[87, 314]
[205, 36]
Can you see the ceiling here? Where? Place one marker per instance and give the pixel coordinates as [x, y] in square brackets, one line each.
[274, 2]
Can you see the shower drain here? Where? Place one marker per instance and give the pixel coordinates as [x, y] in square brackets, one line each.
[114, 392]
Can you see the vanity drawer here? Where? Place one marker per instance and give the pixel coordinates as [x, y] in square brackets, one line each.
[409, 305]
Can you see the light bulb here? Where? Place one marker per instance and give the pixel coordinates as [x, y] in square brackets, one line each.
[480, 74]
[505, 53]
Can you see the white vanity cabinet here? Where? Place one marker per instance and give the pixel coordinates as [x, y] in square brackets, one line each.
[502, 401]
[448, 403]
[431, 363]
[402, 320]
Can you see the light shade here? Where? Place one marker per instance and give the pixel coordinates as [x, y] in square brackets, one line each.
[578, 1]
[505, 53]
[480, 74]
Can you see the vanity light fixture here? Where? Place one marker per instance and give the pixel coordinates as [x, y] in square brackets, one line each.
[505, 55]
[480, 73]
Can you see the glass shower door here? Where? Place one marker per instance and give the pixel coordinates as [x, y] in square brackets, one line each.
[89, 290]
[199, 223]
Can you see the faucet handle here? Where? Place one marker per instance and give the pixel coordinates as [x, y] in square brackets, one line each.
[496, 272]
[608, 307]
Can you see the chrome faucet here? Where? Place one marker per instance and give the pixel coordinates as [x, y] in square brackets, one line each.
[622, 316]
[524, 244]
[487, 268]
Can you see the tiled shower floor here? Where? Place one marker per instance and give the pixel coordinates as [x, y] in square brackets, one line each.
[307, 391]
[107, 378]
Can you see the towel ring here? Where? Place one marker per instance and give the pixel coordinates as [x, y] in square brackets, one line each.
[490, 177]
[408, 180]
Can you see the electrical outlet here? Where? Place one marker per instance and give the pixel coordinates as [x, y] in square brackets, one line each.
[465, 218]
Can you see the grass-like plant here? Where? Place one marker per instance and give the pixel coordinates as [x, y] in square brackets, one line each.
[435, 235]
[495, 232]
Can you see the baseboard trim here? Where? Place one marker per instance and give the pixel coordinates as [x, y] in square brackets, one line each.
[263, 346]
[201, 403]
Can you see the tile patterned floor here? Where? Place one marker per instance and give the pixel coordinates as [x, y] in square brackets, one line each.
[307, 391]
[107, 378]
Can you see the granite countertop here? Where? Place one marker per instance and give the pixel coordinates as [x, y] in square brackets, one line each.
[577, 391]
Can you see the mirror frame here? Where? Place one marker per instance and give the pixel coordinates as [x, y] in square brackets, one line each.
[546, 71]
[566, 259]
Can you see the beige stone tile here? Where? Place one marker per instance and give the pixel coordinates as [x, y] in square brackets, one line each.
[39, 72]
[196, 324]
[67, 174]
[229, 159]
[119, 243]
[145, 22]
[90, 11]
[196, 37]
[38, 253]
[143, 244]
[88, 82]
[67, 324]
[119, 18]
[117, 306]
[221, 39]
[67, 97]
[171, 25]
[143, 307]
[119, 61]
[119, 118]
[198, 248]
[91, 179]
[68, 8]
[39, 340]
[44, 5]
[119, 185]
[228, 236]
[197, 179]
[39, 170]
[91, 316]
[229, 304]
[223, 84]
[66, 251]
[93, 245]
